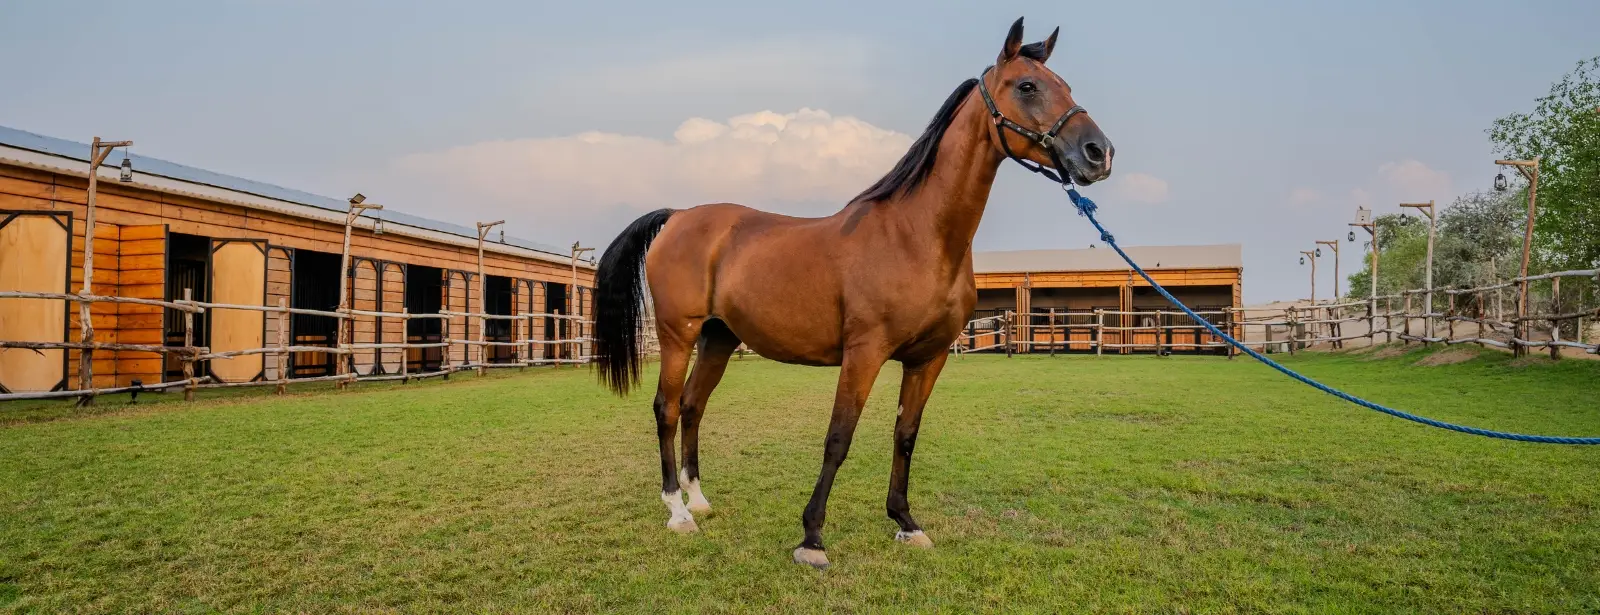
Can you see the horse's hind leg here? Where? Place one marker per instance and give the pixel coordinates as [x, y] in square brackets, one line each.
[717, 343]
[674, 362]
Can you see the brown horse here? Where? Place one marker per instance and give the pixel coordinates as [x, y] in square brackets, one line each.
[887, 277]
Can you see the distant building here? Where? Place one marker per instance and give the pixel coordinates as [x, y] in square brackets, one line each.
[1077, 283]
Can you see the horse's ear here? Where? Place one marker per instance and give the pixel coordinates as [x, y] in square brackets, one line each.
[1050, 44]
[1013, 43]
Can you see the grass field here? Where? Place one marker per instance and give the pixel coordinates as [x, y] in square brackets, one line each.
[1049, 484]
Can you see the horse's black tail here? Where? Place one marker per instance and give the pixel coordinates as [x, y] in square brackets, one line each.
[619, 302]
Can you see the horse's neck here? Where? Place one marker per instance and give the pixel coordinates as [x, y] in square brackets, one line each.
[950, 205]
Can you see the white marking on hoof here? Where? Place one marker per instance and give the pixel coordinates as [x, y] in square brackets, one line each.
[915, 538]
[815, 558]
[697, 500]
[681, 521]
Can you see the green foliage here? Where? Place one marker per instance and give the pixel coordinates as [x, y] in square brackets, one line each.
[1067, 484]
[1564, 132]
[1402, 250]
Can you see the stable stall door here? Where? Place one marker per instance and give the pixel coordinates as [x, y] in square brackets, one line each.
[238, 277]
[34, 256]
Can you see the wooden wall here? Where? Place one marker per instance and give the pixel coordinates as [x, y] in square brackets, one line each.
[129, 257]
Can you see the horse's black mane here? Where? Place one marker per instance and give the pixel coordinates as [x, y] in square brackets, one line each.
[908, 174]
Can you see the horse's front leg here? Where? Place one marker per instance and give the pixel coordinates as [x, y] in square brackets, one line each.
[858, 371]
[915, 387]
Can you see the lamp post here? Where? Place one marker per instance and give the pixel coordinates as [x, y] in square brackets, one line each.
[1335, 246]
[1335, 327]
[577, 251]
[98, 151]
[1427, 300]
[358, 204]
[483, 296]
[1365, 221]
[1530, 171]
[1311, 254]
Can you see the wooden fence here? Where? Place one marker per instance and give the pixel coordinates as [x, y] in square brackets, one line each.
[191, 356]
[1470, 316]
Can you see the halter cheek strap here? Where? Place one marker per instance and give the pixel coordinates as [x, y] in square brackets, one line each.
[1045, 139]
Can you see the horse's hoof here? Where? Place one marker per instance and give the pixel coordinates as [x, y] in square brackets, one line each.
[683, 526]
[815, 558]
[700, 508]
[915, 538]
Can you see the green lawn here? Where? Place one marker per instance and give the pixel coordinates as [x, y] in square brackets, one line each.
[1071, 484]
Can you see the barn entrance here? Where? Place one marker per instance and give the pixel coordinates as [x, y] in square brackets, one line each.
[1075, 319]
[499, 298]
[188, 260]
[314, 282]
[424, 295]
[1210, 301]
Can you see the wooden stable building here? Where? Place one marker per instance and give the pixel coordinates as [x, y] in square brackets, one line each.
[176, 229]
[1088, 300]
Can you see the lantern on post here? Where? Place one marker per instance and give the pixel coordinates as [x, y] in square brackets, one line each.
[127, 169]
[1500, 183]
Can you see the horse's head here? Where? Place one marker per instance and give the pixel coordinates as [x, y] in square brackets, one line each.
[1035, 116]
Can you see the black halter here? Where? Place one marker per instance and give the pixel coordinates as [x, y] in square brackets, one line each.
[1044, 139]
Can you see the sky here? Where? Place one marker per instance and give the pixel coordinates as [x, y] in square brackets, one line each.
[1259, 123]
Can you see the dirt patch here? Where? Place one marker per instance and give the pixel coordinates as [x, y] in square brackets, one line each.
[1387, 352]
[1530, 361]
[1449, 356]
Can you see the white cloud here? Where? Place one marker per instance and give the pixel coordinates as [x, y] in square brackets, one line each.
[1412, 181]
[1140, 188]
[760, 159]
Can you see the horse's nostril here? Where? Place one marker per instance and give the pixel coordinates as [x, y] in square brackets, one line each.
[1093, 152]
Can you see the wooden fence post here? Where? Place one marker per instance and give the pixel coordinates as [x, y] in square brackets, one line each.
[1555, 325]
[1388, 320]
[1405, 325]
[1099, 332]
[1160, 332]
[1007, 324]
[1053, 332]
[283, 345]
[405, 354]
[1294, 331]
[188, 344]
[1450, 321]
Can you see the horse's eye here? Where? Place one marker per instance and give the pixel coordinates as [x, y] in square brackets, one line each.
[1027, 87]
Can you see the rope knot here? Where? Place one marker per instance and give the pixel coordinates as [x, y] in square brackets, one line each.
[1085, 206]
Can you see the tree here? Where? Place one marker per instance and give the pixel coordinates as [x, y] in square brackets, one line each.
[1402, 252]
[1479, 231]
[1564, 132]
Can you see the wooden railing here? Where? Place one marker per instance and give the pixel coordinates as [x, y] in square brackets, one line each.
[572, 348]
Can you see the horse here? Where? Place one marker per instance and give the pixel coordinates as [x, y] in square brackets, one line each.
[888, 277]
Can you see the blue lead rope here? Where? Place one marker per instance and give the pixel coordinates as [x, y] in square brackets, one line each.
[1087, 208]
